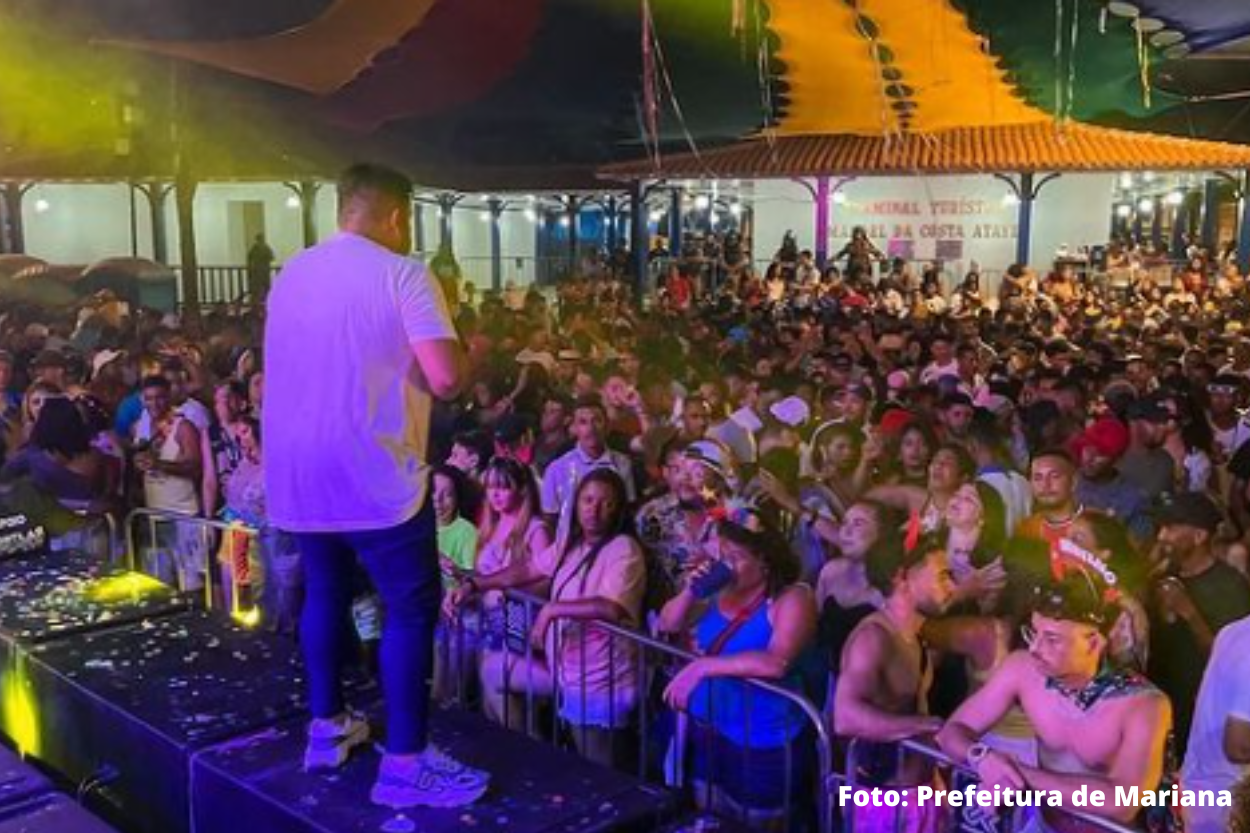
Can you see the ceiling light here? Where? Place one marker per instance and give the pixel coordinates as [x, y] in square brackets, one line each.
[1123, 210]
[1146, 205]
[41, 206]
[1174, 198]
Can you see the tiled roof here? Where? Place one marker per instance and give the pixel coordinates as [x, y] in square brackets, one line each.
[1040, 146]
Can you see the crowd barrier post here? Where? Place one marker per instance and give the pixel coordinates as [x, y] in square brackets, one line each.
[205, 529]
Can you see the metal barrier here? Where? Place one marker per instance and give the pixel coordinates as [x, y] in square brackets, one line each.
[184, 574]
[969, 818]
[635, 664]
[85, 538]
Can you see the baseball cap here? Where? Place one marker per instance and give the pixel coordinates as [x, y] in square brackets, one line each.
[713, 456]
[1078, 596]
[49, 358]
[1148, 409]
[1189, 509]
[898, 380]
[894, 421]
[859, 389]
[1108, 436]
[951, 400]
[103, 359]
[511, 428]
[792, 411]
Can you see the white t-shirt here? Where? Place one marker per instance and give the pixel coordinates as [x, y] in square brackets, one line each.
[193, 410]
[1225, 693]
[347, 412]
[935, 371]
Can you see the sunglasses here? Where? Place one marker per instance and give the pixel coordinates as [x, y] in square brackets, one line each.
[1226, 390]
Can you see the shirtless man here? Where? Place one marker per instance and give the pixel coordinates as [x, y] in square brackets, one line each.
[886, 672]
[1097, 729]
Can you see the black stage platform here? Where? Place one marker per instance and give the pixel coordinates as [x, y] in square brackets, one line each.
[19, 781]
[257, 784]
[50, 814]
[134, 702]
[29, 804]
[112, 680]
[66, 593]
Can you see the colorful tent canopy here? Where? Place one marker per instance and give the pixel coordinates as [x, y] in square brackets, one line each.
[472, 91]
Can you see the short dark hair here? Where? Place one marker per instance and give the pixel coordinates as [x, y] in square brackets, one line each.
[365, 179]
[590, 401]
[478, 442]
[235, 387]
[155, 381]
[890, 559]
[61, 428]
[770, 548]
[1055, 453]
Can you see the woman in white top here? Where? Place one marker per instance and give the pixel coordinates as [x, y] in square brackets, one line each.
[511, 530]
[597, 574]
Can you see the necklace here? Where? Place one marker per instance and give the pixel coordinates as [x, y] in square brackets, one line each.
[1107, 683]
[1053, 524]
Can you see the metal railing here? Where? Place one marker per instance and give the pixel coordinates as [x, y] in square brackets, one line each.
[537, 681]
[96, 526]
[173, 561]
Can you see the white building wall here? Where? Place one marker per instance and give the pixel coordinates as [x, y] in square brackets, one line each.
[79, 224]
[83, 223]
[965, 217]
[518, 238]
[218, 245]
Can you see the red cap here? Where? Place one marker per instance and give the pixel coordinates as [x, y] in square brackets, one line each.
[1107, 435]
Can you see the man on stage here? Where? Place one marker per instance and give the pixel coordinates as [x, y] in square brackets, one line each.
[358, 339]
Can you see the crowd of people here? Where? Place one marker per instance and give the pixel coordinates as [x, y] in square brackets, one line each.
[1013, 524]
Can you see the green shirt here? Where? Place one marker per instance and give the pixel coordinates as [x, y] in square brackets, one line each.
[458, 541]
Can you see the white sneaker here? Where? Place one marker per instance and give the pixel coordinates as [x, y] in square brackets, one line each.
[433, 779]
[331, 741]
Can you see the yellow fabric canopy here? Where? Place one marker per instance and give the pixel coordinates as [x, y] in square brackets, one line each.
[847, 67]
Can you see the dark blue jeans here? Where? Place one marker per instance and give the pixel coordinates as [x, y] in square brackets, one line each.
[402, 561]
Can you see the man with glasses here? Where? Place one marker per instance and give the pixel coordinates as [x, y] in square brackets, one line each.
[1098, 727]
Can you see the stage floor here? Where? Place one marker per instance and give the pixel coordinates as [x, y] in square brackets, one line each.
[257, 783]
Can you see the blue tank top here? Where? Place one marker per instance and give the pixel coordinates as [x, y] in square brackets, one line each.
[747, 715]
